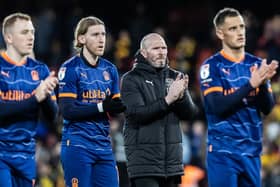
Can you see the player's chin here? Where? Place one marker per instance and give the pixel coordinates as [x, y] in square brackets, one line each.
[241, 43]
[99, 52]
[160, 65]
[238, 46]
[27, 52]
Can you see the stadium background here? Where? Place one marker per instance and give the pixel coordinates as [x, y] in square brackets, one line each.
[187, 27]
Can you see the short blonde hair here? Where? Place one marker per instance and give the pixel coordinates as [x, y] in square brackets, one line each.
[11, 19]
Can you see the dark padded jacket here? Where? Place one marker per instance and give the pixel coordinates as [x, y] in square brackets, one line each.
[153, 139]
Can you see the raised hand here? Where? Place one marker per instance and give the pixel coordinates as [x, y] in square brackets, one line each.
[272, 69]
[113, 105]
[176, 89]
[258, 75]
[263, 73]
[186, 84]
[46, 87]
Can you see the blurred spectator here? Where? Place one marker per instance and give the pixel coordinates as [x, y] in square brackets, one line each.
[187, 152]
[49, 170]
[122, 52]
[118, 149]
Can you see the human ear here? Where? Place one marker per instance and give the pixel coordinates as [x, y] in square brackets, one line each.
[144, 53]
[219, 33]
[82, 39]
[8, 38]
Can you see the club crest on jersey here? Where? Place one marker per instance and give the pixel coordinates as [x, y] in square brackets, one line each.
[35, 75]
[106, 75]
[205, 71]
[61, 73]
[75, 182]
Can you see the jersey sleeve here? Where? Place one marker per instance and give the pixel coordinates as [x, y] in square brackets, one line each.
[115, 84]
[265, 98]
[67, 82]
[24, 109]
[209, 79]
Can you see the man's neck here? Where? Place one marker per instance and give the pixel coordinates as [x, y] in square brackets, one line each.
[237, 54]
[15, 56]
[91, 58]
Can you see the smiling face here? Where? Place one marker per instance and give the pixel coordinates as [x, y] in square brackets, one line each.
[232, 32]
[20, 37]
[154, 49]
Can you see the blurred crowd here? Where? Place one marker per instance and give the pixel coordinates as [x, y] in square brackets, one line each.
[188, 48]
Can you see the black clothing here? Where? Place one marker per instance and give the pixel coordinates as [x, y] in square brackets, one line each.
[153, 138]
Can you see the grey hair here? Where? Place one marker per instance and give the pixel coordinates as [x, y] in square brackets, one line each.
[143, 42]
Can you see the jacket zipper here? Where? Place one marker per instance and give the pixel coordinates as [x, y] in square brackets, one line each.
[163, 85]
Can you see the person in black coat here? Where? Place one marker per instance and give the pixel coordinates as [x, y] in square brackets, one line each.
[156, 98]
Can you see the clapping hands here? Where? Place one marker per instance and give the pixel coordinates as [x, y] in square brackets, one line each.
[177, 88]
[263, 73]
[46, 87]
